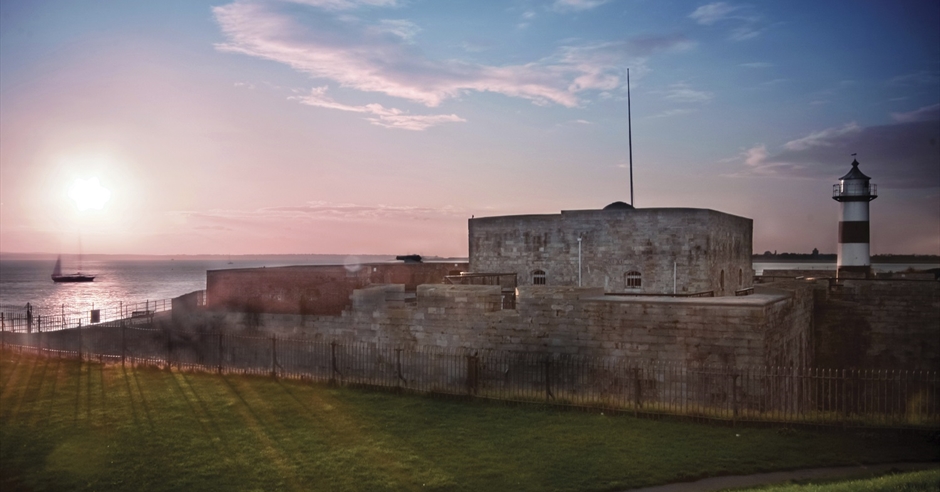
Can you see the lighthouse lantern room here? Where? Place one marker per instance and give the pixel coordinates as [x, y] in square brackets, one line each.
[854, 191]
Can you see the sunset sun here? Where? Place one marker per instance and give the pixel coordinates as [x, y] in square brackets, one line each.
[89, 194]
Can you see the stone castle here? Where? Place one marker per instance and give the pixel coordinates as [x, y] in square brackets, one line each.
[651, 284]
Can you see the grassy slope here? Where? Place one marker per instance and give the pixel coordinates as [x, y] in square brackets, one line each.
[65, 425]
[920, 481]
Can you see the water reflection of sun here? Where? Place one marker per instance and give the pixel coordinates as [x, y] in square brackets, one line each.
[89, 194]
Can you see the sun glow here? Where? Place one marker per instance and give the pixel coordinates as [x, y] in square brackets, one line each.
[88, 194]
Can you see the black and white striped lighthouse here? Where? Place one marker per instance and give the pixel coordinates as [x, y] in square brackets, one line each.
[854, 191]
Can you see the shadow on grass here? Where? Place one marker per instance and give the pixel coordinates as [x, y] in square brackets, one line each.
[50, 409]
[210, 427]
[143, 399]
[272, 446]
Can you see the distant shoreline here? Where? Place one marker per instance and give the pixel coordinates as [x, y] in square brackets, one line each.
[338, 258]
[906, 259]
[366, 258]
[796, 260]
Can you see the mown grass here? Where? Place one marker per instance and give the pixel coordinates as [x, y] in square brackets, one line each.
[71, 426]
[919, 481]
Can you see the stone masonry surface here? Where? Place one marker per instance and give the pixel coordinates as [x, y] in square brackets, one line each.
[769, 328]
[689, 250]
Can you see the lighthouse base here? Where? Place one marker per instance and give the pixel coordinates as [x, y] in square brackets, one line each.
[853, 271]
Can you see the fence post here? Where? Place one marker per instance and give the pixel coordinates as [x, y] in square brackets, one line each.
[473, 381]
[638, 391]
[123, 342]
[220, 352]
[333, 363]
[79, 339]
[734, 399]
[398, 368]
[844, 413]
[3, 336]
[169, 347]
[548, 379]
[273, 356]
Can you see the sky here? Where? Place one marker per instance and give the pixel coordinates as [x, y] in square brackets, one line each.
[381, 126]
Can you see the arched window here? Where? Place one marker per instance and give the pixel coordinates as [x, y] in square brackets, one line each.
[538, 277]
[740, 277]
[721, 282]
[633, 279]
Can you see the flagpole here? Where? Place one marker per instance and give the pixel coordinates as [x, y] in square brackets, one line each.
[630, 138]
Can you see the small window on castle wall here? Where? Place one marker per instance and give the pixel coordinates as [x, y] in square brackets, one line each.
[721, 281]
[538, 277]
[633, 279]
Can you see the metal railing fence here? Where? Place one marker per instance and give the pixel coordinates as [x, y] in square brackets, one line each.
[66, 317]
[840, 397]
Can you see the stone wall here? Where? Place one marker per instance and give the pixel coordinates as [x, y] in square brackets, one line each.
[878, 323]
[314, 289]
[185, 304]
[689, 250]
[771, 327]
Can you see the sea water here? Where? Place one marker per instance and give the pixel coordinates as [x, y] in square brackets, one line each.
[126, 281]
[760, 266]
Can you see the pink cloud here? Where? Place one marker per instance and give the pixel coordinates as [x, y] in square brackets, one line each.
[322, 211]
[382, 116]
[383, 58]
[371, 60]
[902, 155]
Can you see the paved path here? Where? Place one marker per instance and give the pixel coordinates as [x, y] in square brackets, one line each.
[730, 482]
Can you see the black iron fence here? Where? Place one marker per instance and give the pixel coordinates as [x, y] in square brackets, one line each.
[68, 317]
[876, 398]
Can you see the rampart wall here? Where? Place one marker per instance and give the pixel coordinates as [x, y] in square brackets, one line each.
[314, 289]
[772, 327]
[878, 323]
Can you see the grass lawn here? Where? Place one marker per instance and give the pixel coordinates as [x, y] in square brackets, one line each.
[71, 426]
[920, 481]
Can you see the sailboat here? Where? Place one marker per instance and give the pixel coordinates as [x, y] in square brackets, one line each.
[74, 277]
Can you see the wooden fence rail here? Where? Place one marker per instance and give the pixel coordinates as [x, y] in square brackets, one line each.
[838, 397]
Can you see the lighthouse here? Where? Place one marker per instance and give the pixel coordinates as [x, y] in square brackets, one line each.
[854, 191]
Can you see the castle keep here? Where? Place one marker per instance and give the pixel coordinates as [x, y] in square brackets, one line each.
[619, 249]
